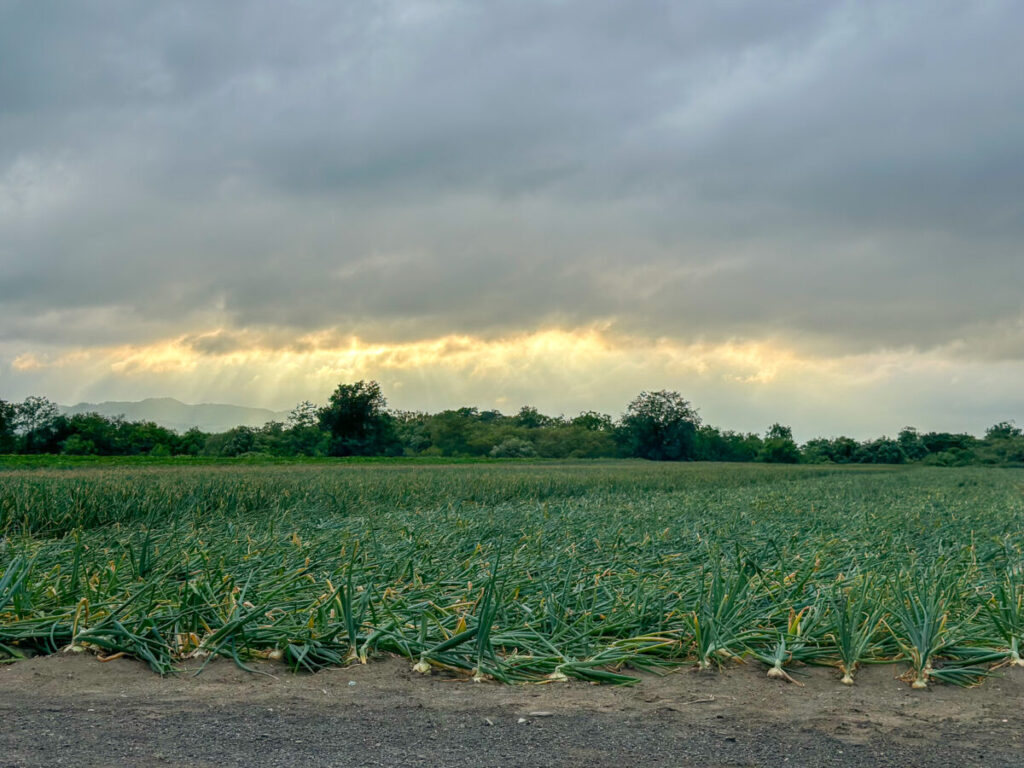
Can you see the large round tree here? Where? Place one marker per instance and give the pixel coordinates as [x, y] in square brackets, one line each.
[358, 420]
[661, 426]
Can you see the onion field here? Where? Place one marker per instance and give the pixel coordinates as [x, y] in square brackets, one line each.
[518, 572]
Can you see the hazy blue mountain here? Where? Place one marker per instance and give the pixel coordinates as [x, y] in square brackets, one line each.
[168, 412]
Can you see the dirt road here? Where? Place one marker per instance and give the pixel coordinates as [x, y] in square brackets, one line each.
[80, 712]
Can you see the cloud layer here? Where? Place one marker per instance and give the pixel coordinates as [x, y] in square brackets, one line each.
[838, 180]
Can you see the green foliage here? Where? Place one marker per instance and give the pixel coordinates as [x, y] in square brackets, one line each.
[531, 418]
[234, 442]
[191, 443]
[880, 451]
[912, 444]
[603, 567]
[838, 450]
[470, 432]
[76, 445]
[7, 422]
[853, 624]
[593, 421]
[779, 446]
[721, 621]
[357, 419]
[459, 433]
[935, 448]
[1004, 430]
[923, 623]
[725, 445]
[356, 422]
[946, 442]
[513, 448]
[660, 426]
[95, 434]
[35, 419]
[573, 442]
[954, 457]
[304, 415]
[1003, 444]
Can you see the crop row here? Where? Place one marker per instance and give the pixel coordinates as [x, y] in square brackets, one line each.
[532, 573]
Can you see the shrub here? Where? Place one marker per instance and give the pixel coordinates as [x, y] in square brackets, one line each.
[513, 448]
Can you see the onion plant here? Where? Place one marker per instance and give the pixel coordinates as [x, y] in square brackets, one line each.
[721, 622]
[799, 642]
[607, 568]
[923, 600]
[1005, 611]
[854, 616]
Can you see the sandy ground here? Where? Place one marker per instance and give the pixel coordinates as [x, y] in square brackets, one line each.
[76, 711]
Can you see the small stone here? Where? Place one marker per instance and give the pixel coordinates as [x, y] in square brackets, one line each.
[522, 720]
[542, 714]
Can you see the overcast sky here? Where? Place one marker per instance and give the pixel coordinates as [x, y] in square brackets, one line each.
[809, 212]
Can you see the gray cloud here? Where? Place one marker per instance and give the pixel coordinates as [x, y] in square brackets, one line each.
[843, 174]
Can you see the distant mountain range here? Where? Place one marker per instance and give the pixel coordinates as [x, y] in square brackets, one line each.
[179, 416]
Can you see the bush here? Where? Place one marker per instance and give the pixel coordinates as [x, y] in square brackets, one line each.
[513, 448]
[76, 445]
[881, 451]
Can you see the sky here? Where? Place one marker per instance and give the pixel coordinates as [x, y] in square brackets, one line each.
[806, 212]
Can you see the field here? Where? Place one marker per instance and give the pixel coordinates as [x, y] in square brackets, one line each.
[518, 572]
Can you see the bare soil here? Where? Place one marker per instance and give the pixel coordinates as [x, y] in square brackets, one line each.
[77, 711]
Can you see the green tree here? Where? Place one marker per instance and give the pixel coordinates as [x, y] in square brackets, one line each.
[305, 414]
[912, 444]
[568, 441]
[411, 428]
[531, 418]
[937, 442]
[91, 433]
[448, 432]
[1003, 444]
[884, 450]
[238, 441]
[7, 420]
[592, 420]
[357, 418]
[191, 443]
[779, 446]
[839, 450]
[1004, 430]
[661, 426]
[34, 419]
[718, 445]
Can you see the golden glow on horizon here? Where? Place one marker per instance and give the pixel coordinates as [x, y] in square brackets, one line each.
[266, 366]
[326, 355]
[739, 383]
[560, 369]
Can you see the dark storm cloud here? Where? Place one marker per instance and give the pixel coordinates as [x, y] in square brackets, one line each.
[848, 174]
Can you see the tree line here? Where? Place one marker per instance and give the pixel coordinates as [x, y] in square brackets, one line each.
[356, 421]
